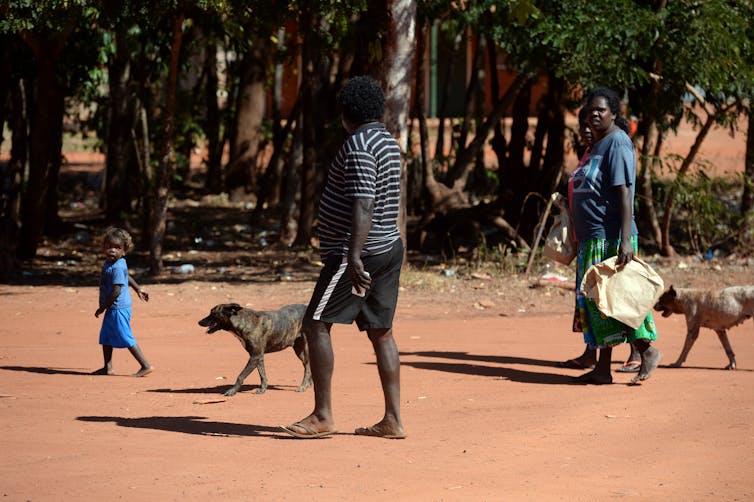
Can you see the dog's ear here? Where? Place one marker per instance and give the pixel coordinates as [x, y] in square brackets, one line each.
[232, 308]
[672, 291]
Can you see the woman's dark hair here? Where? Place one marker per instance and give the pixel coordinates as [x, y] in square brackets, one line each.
[362, 100]
[582, 115]
[613, 102]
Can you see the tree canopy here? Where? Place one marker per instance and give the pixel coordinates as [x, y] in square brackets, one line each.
[258, 81]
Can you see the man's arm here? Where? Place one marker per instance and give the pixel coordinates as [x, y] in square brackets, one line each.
[361, 223]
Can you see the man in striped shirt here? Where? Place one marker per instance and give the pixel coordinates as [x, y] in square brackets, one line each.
[362, 253]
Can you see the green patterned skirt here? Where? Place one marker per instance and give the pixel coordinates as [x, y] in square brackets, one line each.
[600, 330]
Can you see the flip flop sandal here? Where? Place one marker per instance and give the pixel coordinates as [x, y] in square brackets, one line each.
[375, 432]
[575, 364]
[308, 433]
[630, 367]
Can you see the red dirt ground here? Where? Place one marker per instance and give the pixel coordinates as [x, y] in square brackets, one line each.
[489, 415]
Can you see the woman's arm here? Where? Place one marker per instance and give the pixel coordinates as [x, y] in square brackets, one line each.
[626, 250]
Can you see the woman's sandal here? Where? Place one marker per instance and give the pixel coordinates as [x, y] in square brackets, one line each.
[577, 364]
[630, 367]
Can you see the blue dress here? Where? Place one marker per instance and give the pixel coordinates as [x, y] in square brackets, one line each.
[116, 322]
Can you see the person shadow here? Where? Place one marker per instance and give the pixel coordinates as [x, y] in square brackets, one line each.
[46, 371]
[188, 425]
[468, 364]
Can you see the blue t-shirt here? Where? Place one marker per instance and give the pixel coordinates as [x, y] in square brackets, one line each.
[112, 274]
[596, 202]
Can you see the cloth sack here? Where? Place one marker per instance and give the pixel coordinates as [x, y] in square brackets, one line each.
[559, 244]
[625, 293]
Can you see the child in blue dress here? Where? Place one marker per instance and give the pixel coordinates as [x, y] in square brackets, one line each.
[115, 302]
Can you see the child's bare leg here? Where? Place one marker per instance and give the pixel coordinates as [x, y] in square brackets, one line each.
[107, 355]
[146, 368]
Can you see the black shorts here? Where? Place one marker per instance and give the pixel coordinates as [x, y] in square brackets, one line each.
[333, 301]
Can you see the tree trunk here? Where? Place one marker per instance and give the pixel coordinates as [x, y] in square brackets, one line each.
[310, 92]
[167, 159]
[476, 146]
[445, 98]
[647, 159]
[552, 165]
[747, 199]
[6, 68]
[142, 149]
[12, 179]
[270, 186]
[214, 181]
[53, 224]
[242, 170]
[413, 196]
[291, 186]
[666, 248]
[396, 69]
[459, 170]
[118, 191]
[45, 138]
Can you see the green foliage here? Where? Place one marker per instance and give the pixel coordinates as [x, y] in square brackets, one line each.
[706, 213]
[41, 16]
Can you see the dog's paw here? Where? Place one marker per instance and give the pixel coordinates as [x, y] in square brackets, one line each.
[231, 392]
[675, 365]
[260, 390]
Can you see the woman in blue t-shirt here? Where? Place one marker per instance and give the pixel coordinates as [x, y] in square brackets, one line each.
[602, 208]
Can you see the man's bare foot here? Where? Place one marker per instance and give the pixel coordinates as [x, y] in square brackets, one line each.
[309, 428]
[650, 359]
[103, 371]
[383, 429]
[594, 378]
[144, 371]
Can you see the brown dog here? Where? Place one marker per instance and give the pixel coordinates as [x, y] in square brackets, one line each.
[260, 332]
[717, 310]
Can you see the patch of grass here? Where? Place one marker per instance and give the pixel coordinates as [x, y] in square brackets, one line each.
[428, 279]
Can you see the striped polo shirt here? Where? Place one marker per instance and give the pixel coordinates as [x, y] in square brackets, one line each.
[368, 166]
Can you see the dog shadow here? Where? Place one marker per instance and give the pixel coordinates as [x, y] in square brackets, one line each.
[709, 368]
[46, 371]
[188, 425]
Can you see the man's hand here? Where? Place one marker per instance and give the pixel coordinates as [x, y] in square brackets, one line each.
[360, 278]
[99, 311]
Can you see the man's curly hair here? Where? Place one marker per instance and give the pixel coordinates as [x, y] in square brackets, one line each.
[114, 233]
[362, 100]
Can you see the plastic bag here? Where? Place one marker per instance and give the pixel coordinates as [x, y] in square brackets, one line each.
[625, 293]
[559, 244]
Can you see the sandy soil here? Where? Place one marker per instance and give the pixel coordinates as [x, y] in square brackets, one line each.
[489, 414]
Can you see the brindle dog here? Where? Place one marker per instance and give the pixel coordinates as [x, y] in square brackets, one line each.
[717, 310]
[260, 332]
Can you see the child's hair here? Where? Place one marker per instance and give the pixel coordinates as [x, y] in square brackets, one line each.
[119, 234]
